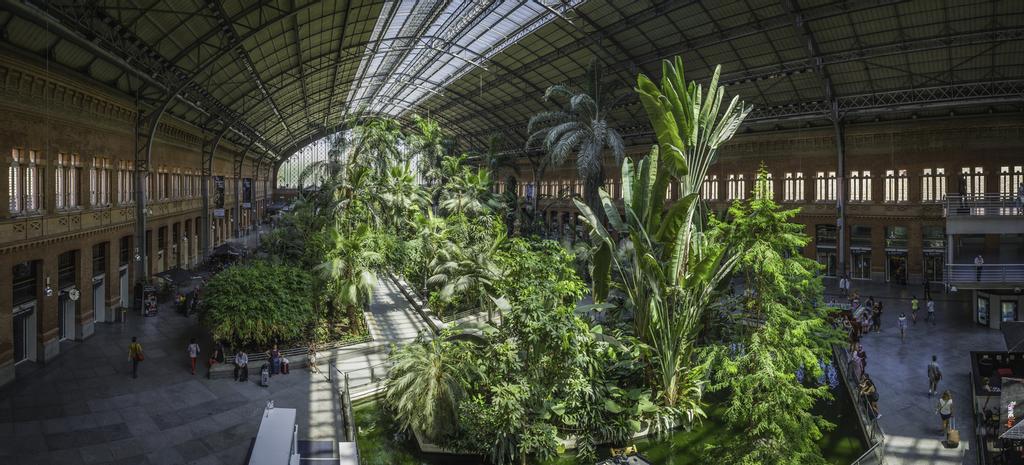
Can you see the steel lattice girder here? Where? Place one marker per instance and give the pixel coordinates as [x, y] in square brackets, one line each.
[93, 25]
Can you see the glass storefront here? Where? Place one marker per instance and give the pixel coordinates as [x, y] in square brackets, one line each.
[860, 252]
[933, 265]
[983, 311]
[896, 266]
[860, 265]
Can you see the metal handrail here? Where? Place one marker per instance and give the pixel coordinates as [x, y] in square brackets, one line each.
[867, 454]
[990, 204]
[872, 431]
[1004, 273]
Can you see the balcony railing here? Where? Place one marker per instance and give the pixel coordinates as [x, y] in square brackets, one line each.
[985, 274]
[983, 205]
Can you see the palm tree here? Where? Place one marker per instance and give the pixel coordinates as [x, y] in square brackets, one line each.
[423, 387]
[348, 272]
[471, 271]
[470, 193]
[400, 196]
[376, 144]
[430, 231]
[431, 145]
[580, 127]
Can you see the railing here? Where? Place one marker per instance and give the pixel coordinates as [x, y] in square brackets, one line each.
[362, 381]
[448, 318]
[345, 382]
[985, 274]
[983, 205]
[875, 455]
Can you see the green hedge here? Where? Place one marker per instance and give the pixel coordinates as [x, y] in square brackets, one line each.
[259, 303]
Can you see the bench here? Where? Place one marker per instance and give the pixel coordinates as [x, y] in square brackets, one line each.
[297, 358]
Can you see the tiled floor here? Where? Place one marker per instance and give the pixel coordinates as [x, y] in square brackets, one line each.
[84, 407]
[900, 372]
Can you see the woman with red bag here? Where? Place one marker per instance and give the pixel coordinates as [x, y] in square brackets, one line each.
[136, 355]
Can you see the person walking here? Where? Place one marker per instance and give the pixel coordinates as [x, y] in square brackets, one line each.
[241, 366]
[934, 376]
[914, 304]
[136, 355]
[931, 311]
[876, 318]
[275, 360]
[193, 353]
[945, 410]
[902, 322]
[979, 262]
[927, 288]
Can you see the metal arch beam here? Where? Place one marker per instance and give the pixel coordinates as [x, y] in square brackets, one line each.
[421, 29]
[337, 63]
[411, 106]
[485, 9]
[793, 67]
[285, 151]
[95, 33]
[969, 94]
[591, 39]
[228, 26]
[206, 170]
[298, 56]
[237, 172]
[800, 23]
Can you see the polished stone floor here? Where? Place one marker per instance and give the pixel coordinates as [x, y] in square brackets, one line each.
[84, 407]
[899, 369]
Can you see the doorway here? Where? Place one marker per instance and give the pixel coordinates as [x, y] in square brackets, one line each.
[99, 303]
[122, 277]
[861, 264]
[896, 267]
[24, 332]
[827, 258]
[933, 266]
[1008, 310]
[66, 315]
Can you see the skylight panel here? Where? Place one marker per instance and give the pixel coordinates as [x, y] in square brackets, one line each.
[420, 47]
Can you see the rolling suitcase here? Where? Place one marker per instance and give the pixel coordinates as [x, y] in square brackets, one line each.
[953, 435]
[265, 375]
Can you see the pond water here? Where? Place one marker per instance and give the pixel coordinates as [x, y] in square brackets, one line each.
[379, 445]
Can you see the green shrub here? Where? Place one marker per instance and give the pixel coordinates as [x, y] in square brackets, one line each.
[259, 303]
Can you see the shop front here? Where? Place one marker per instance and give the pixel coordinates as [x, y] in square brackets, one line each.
[896, 254]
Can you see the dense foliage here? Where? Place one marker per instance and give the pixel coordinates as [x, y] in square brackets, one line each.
[259, 303]
[542, 371]
[775, 331]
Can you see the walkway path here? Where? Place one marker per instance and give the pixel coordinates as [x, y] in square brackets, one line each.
[84, 407]
[899, 370]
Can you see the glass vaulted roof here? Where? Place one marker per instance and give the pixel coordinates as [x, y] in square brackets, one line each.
[421, 46]
[277, 75]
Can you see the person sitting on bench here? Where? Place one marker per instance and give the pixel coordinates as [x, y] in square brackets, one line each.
[241, 366]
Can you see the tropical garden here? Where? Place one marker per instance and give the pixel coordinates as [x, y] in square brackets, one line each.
[666, 346]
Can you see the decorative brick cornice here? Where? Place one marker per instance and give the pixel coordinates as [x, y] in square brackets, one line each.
[20, 84]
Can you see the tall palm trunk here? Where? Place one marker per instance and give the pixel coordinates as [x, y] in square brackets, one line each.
[591, 197]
